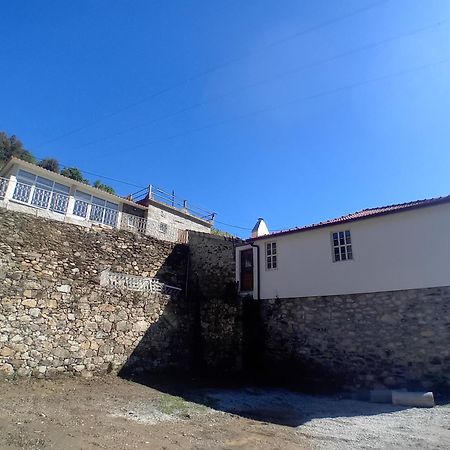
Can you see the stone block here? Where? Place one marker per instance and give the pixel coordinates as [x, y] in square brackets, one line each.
[6, 372]
[64, 288]
[29, 302]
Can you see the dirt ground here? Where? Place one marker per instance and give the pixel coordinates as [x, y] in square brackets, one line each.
[112, 413]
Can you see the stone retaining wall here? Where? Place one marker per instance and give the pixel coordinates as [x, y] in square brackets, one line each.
[218, 310]
[56, 318]
[392, 339]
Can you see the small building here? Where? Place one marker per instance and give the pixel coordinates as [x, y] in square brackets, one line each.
[28, 188]
[390, 248]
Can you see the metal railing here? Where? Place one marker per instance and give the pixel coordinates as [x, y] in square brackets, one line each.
[169, 198]
[136, 283]
[3, 186]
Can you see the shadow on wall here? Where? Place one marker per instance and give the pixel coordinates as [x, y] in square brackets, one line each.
[165, 346]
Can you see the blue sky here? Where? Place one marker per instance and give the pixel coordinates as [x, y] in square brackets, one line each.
[296, 111]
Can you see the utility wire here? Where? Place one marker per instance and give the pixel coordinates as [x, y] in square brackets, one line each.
[291, 102]
[297, 69]
[220, 66]
[262, 110]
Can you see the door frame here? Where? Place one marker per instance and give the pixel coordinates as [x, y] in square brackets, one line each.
[255, 271]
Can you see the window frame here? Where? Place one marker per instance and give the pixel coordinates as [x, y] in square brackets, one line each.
[349, 254]
[270, 255]
[43, 193]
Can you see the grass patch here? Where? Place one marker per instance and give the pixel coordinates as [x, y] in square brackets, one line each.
[177, 406]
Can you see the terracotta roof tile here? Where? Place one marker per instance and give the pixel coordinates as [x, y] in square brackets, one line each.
[364, 214]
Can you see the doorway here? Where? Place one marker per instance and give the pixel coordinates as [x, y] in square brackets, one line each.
[246, 275]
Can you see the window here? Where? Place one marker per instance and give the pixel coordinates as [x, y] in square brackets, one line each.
[342, 245]
[101, 211]
[271, 256]
[41, 192]
[163, 227]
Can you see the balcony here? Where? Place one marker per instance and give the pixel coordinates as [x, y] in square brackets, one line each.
[87, 210]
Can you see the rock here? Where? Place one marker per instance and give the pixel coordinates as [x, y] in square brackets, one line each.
[31, 303]
[106, 326]
[23, 372]
[28, 293]
[64, 288]
[6, 351]
[35, 312]
[51, 303]
[6, 372]
[122, 326]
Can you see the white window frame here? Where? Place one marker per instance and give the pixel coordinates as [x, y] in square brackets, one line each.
[50, 194]
[342, 251]
[97, 209]
[270, 254]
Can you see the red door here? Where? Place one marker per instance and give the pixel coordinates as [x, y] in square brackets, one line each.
[246, 270]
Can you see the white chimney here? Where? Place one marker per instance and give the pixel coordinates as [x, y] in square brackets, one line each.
[260, 228]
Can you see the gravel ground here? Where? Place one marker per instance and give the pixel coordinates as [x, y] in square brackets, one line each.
[332, 423]
[111, 413]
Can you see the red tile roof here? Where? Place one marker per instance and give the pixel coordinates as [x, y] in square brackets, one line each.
[364, 214]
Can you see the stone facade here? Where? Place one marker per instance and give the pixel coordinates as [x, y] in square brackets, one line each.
[392, 339]
[217, 307]
[54, 315]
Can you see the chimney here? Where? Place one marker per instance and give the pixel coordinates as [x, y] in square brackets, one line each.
[260, 228]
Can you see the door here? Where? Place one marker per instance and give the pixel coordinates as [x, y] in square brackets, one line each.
[246, 270]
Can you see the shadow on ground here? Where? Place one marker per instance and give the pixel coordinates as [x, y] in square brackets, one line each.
[264, 404]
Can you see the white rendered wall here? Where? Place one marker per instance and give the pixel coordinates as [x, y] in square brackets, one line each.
[405, 250]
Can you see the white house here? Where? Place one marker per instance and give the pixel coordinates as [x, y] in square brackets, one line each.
[390, 248]
[32, 189]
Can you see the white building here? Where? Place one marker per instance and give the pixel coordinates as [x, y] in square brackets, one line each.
[397, 247]
[28, 188]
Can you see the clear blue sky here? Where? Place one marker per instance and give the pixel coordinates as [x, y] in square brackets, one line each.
[258, 135]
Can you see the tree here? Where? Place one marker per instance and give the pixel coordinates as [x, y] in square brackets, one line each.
[50, 164]
[104, 187]
[74, 173]
[11, 146]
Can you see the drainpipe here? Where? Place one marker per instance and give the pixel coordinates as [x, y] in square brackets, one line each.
[258, 285]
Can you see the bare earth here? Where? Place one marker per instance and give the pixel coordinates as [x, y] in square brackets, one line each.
[111, 413]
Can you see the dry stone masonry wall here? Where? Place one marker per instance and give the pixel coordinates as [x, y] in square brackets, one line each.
[56, 318]
[219, 310]
[392, 339]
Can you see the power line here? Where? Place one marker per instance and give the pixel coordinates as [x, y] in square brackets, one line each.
[262, 110]
[220, 66]
[233, 226]
[103, 177]
[297, 69]
[291, 102]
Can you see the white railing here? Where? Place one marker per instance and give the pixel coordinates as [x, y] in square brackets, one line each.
[104, 215]
[133, 223]
[135, 283]
[41, 198]
[95, 213]
[3, 186]
[30, 194]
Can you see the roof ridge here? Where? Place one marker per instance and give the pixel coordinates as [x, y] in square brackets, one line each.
[365, 214]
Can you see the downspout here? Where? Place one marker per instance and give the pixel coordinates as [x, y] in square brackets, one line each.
[258, 285]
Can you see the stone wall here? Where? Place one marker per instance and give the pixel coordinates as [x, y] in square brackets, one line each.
[56, 318]
[212, 291]
[392, 339]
